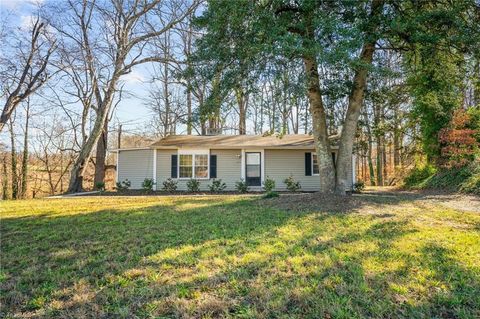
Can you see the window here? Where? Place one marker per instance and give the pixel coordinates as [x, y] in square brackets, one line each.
[315, 170]
[185, 168]
[201, 166]
[193, 166]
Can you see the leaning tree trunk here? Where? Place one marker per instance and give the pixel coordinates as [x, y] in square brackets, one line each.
[319, 126]
[80, 165]
[6, 113]
[344, 161]
[101, 154]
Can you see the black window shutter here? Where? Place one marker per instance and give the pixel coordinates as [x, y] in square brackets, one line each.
[174, 166]
[213, 166]
[308, 164]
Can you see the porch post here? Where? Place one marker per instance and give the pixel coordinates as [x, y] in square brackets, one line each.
[155, 167]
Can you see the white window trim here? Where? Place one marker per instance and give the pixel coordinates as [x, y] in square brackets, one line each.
[116, 171]
[193, 152]
[155, 167]
[262, 165]
[311, 160]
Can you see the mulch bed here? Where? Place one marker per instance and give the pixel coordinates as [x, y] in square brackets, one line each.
[137, 192]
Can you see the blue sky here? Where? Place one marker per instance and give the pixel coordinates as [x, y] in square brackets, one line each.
[131, 110]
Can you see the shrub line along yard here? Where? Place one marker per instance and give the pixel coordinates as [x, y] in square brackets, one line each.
[376, 256]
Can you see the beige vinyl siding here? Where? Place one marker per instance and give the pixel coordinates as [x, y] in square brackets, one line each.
[135, 165]
[228, 169]
[280, 164]
[164, 163]
[228, 166]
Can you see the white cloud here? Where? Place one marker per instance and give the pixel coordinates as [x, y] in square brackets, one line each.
[134, 77]
[27, 21]
[16, 4]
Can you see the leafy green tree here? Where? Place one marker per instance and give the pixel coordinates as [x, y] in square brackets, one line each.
[438, 36]
[436, 87]
[245, 36]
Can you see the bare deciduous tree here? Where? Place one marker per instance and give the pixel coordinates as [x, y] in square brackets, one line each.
[24, 69]
[118, 42]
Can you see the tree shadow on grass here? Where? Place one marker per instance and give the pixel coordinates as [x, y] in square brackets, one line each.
[306, 280]
[237, 259]
[458, 295]
[43, 256]
[301, 278]
[347, 204]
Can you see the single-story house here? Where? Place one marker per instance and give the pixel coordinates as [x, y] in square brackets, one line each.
[231, 158]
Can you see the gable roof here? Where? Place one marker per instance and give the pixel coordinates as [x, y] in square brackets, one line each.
[289, 141]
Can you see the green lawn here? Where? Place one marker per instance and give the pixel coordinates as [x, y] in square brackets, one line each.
[238, 257]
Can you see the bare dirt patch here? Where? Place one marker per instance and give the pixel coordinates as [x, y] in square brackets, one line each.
[374, 197]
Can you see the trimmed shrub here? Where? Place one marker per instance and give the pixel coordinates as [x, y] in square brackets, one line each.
[269, 184]
[100, 186]
[123, 186]
[271, 194]
[193, 185]
[241, 186]
[147, 185]
[217, 186]
[359, 187]
[292, 184]
[169, 185]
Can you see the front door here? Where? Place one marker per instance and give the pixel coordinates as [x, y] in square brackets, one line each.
[253, 169]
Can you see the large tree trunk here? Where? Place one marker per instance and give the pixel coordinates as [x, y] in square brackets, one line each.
[355, 101]
[319, 126]
[344, 161]
[101, 154]
[78, 168]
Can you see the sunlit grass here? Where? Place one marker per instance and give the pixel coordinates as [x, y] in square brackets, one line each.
[232, 256]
